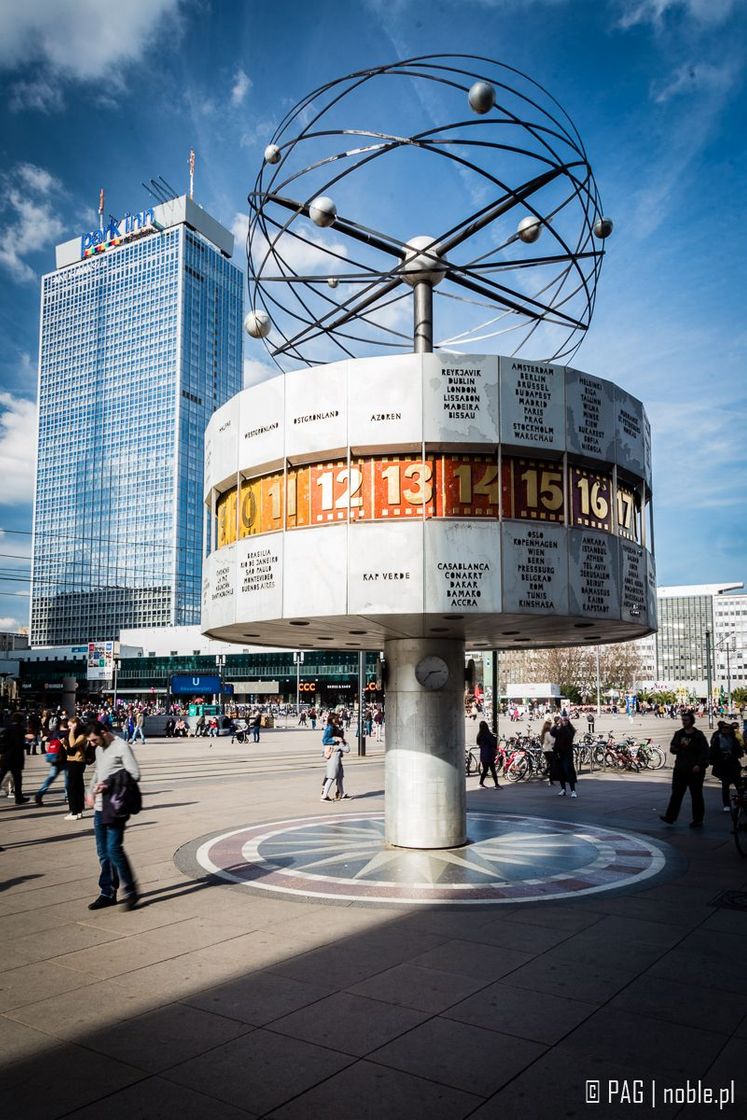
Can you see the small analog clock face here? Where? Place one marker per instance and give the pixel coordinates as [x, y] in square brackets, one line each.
[432, 672]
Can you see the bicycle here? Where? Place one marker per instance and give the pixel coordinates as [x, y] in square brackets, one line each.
[471, 763]
[619, 756]
[650, 756]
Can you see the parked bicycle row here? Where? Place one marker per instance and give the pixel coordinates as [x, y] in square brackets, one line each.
[522, 759]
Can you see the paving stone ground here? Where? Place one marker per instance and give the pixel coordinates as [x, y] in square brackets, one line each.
[212, 1001]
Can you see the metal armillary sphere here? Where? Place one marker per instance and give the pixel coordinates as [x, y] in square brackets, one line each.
[447, 175]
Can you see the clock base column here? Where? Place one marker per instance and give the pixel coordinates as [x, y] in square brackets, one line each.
[425, 804]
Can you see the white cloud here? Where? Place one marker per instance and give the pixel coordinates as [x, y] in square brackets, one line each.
[698, 77]
[263, 130]
[690, 102]
[30, 219]
[37, 179]
[8, 623]
[43, 94]
[310, 255]
[76, 40]
[17, 449]
[710, 480]
[81, 39]
[242, 83]
[655, 12]
[240, 229]
[256, 372]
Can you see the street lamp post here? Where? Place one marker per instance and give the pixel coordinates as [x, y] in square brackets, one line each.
[599, 685]
[220, 661]
[728, 649]
[115, 666]
[709, 679]
[361, 701]
[298, 661]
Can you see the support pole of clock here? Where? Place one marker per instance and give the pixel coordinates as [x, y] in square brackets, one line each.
[423, 318]
[425, 788]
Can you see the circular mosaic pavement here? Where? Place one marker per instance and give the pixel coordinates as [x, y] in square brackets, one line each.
[510, 858]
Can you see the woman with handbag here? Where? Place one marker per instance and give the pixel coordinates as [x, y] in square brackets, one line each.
[75, 747]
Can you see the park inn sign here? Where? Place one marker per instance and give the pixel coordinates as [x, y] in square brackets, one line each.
[117, 232]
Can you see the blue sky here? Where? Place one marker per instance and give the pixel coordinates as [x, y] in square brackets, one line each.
[655, 87]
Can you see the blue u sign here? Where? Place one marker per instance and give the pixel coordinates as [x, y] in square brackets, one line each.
[203, 684]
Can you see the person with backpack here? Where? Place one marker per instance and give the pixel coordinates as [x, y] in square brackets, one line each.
[724, 756]
[56, 756]
[112, 756]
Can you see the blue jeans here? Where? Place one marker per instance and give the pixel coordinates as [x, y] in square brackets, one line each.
[54, 771]
[137, 732]
[115, 866]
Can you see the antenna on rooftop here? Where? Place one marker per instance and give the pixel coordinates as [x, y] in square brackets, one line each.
[191, 172]
[152, 193]
[169, 189]
[101, 208]
[160, 192]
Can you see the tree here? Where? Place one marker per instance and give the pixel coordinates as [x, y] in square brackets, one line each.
[567, 666]
[619, 666]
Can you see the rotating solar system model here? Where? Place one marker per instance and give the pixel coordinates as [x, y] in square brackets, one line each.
[396, 487]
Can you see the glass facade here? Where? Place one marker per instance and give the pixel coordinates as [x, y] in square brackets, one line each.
[681, 637]
[139, 345]
[142, 675]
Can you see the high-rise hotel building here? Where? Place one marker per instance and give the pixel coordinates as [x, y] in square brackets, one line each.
[140, 342]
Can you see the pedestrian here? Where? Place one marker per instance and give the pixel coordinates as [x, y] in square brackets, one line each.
[112, 755]
[255, 725]
[138, 731]
[548, 748]
[13, 755]
[690, 749]
[334, 746]
[56, 757]
[488, 745]
[724, 756]
[75, 749]
[378, 718]
[33, 732]
[312, 718]
[562, 737]
[590, 721]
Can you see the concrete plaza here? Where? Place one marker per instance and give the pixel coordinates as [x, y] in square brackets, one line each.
[216, 1000]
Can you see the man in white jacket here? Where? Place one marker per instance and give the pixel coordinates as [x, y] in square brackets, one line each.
[112, 754]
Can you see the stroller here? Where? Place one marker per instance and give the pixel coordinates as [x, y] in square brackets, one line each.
[240, 731]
